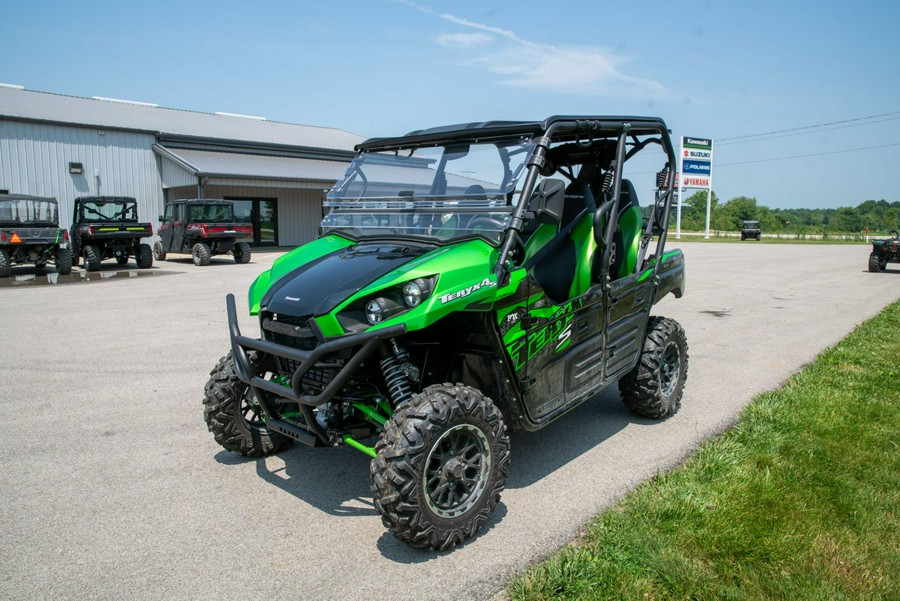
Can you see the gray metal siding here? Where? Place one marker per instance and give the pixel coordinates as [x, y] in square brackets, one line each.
[299, 211]
[174, 176]
[34, 159]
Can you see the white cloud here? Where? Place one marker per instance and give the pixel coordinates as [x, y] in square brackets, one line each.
[581, 70]
[464, 40]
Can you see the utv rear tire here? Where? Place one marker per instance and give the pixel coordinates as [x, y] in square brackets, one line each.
[64, 261]
[440, 466]
[158, 252]
[233, 416]
[91, 258]
[201, 254]
[241, 252]
[655, 386]
[145, 257]
[4, 264]
[875, 264]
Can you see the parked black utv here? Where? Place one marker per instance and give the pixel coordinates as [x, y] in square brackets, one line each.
[29, 233]
[202, 228]
[884, 251]
[106, 227]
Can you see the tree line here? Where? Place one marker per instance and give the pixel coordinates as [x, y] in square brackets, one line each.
[879, 216]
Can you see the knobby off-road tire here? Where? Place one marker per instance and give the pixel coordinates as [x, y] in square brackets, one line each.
[233, 415]
[145, 257]
[158, 252]
[201, 254]
[440, 466]
[75, 247]
[241, 252]
[875, 264]
[91, 257]
[654, 387]
[4, 264]
[64, 261]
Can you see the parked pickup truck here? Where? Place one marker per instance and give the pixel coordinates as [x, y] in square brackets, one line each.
[107, 227]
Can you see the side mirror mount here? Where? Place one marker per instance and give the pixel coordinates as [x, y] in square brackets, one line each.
[548, 200]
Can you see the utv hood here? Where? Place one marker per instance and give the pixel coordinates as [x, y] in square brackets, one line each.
[319, 286]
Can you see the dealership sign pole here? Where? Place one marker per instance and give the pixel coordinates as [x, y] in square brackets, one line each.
[695, 167]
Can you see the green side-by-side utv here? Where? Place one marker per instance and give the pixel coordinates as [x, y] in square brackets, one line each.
[469, 280]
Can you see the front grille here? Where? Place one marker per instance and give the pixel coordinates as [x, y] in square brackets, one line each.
[295, 332]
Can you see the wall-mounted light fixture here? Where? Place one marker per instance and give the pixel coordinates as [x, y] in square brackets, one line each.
[76, 168]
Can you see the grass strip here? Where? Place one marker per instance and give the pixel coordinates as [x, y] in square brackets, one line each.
[799, 500]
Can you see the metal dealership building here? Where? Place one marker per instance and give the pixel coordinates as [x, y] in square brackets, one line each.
[67, 146]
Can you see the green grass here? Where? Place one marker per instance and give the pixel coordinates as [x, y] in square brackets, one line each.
[800, 500]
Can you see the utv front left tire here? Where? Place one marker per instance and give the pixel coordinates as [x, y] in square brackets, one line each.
[440, 466]
[233, 415]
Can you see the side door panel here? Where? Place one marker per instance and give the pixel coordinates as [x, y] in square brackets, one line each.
[165, 229]
[628, 311]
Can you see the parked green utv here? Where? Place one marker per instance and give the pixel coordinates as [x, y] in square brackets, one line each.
[469, 280]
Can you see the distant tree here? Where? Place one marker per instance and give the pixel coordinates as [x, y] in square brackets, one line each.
[889, 218]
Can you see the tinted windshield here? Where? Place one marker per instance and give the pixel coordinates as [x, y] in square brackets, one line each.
[436, 192]
[27, 211]
[108, 211]
[211, 213]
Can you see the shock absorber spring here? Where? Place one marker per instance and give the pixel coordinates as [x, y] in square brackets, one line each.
[396, 380]
[608, 181]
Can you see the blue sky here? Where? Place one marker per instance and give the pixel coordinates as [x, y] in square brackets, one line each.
[717, 69]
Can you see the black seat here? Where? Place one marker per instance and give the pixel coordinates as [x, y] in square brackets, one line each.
[557, 266]
[628, 229]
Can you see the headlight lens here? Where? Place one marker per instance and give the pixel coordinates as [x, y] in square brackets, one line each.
[374, 311]
[412, 293]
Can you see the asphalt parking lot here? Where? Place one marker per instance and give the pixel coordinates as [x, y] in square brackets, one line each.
[113, 488]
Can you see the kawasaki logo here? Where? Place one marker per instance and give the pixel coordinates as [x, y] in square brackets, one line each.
[485, 283]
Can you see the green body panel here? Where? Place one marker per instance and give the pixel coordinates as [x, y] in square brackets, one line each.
[630, 222]
[291, 261]
[585, 247]
[538, 239]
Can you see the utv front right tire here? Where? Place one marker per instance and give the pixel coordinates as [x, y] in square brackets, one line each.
[201, 254]
[233, 415]
[440, 466]
[655, 386]
[158, 253]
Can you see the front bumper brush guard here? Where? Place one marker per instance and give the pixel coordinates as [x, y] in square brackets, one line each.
[367, 341]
